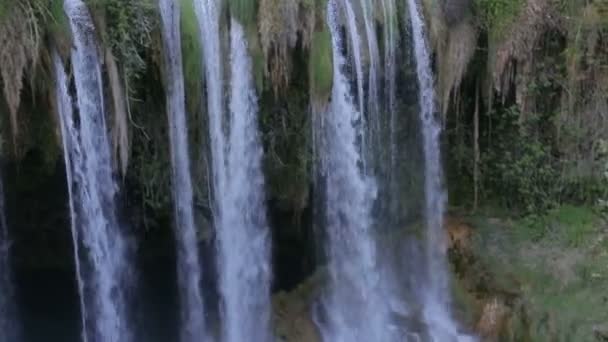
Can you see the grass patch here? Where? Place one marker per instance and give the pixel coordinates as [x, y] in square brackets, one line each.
[566, 225]
[558, 265]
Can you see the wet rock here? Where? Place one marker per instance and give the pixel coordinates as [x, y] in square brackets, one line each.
[459, 234]
[601, 333]
[293, 312]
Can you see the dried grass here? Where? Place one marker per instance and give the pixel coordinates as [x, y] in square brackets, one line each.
[20, 39]
[454, 60]
[120, 128]
[280, 23]
[515, 52]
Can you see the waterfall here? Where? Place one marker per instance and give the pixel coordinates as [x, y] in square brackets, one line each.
[238, 184]
[188, 264]
[357, 55]
[369, 110]
[100, 247]
[66, 114]
[244, 249]
[436, 299]
[208, 16]
[355, 306]
[390, 71]
[9, 331]
[373, 110]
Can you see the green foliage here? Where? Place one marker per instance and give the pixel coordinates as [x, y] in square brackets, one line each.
[566, 225]
[496, 15]
[285, 126]
[129, 24]
[520, 170]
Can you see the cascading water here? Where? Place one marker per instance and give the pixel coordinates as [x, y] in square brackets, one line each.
[244, 249]
[436, 299]
[390, 66]
[208, 16]
[373, 109]
[8, 327]
[369, 109]
[355, 44]
[66, 115]
[188, 264]
[239, 212]
[355, 306]
[99, 245]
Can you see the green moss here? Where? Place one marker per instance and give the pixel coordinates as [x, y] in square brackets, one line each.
[59, 21]
[321, 66]
[191, 54]
[245, 11]
[127, 31]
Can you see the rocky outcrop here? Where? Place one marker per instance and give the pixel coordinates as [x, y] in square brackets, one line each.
[293, 312]
[489, 304]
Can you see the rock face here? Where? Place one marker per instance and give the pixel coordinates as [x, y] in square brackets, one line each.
[293, 312]
[456, 11]
[459, 233]
[488, 305]
[492, 320]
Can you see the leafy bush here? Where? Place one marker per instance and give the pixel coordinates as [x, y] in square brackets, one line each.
[521, 170]
[128, 32]
[496, 15]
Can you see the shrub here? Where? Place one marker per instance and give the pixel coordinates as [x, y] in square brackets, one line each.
[521, 170]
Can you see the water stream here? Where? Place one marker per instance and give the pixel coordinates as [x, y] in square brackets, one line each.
[243, 237]
[437, 311]
[100, 247]
[239, 213]
[356, 308]
[188, 264]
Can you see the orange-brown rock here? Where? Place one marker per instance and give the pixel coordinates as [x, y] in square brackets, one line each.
[459, 233]
[493, 318]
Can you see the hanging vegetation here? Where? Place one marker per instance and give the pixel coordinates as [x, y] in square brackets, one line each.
[21, 34]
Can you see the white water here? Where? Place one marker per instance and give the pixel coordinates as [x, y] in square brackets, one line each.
[357, 54]
[368, 102]
[390, 72]
[436, 299]
[356, 308]
[66, 117]
[192, 326]
[373, 94]
[239, 212]
[208, 16]
[100, 248]
[243, 239]
[9, 331]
